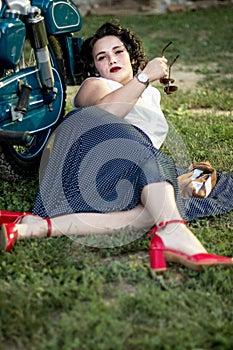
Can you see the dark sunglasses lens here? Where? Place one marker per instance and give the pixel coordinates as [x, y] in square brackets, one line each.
[170, 89]
[166, 81]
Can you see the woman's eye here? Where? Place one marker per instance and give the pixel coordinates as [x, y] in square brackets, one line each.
[119, 51]
[101, 58]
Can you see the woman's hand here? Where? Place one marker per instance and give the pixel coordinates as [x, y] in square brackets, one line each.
[156, 69]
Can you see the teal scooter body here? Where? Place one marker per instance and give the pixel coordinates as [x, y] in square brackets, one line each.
[39, 50]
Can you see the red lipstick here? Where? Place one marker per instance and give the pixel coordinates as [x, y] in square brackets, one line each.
[114, 69]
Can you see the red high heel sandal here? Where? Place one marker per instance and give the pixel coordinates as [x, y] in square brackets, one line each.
[159, 254]
[7, 216]
[9, 234]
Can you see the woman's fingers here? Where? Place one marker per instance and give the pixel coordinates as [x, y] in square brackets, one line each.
[156, 68]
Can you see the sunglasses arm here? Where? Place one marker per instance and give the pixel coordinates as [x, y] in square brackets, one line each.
[165, 48]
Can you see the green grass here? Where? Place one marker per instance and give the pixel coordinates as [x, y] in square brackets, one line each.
[55, 294]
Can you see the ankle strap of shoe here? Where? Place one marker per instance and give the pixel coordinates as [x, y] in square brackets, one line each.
[163, 224]
[49, 232]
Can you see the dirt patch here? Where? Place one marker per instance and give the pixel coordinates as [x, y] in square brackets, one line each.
[186, 79]
[205, 111]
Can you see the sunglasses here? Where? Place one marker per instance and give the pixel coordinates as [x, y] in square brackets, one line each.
[168, 88]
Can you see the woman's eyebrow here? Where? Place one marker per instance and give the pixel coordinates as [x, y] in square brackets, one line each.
[100, 53]
[117, 47]
[114, 48]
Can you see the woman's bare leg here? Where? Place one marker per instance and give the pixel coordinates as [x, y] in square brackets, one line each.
[86, 223]
[158, 204]
[159, 200]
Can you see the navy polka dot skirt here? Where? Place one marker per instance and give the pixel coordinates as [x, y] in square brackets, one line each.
[96, 162]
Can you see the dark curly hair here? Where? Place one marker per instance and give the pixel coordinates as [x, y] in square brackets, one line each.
[132, 43]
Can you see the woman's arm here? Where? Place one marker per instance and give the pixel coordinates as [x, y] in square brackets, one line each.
[95, 92]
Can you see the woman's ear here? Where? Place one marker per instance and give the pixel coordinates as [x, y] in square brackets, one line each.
[97, 74]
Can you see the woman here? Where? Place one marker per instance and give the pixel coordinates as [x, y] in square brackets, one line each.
[105, 172]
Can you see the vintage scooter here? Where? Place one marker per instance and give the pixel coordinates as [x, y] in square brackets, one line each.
[38, 54]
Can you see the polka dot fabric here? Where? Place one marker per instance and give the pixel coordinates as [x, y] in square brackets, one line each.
[96, 162]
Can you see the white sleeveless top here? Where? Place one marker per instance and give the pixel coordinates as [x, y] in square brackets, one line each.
[146, 113]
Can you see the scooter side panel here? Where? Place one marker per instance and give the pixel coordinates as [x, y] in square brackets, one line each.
[60, 16]
[38, 116]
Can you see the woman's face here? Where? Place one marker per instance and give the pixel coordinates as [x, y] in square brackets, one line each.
[112, 60]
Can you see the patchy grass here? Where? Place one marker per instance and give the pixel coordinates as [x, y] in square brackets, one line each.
[55, 294]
